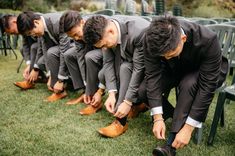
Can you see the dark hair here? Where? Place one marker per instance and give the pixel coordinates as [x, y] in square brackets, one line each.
[4, 22]
[25, 21]
[93, 29]
[68, 20]
[162, 35]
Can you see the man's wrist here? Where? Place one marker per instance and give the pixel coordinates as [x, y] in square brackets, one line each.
[157, 116]
[60, 80]
[100, 91]
[36, 69]
[189, 127]
[128, 103]
[113, 93]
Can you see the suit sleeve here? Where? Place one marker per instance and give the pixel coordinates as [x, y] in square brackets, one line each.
[39, 52]
[153, 79]
[109, 72]
[81, 59]
[64, 45]
[26, 48]
[138, 69]
[208, 79]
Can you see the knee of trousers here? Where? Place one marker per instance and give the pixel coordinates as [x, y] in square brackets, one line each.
[68, 56]
[52, 52]
[189, 84]
[34, 47]
[101, 76]
[93, 56]
[125, 67]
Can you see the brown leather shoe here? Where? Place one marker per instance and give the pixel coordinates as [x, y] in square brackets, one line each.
[56, 96]
[113, 130]
[24, 85]
[136, 110]
[76, 100]
[90, 110]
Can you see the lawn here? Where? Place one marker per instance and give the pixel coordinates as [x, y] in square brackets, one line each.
[30, 126]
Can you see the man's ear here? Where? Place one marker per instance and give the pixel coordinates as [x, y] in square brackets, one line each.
[111, 31]
[36, 22]
[14, 21]
[184, 38]
[82, 22]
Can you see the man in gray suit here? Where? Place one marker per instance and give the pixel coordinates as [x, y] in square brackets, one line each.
[120, 38]
[28, 51]
[84, 63]
[52, 45]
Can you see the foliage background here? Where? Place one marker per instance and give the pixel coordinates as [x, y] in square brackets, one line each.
[200, 8]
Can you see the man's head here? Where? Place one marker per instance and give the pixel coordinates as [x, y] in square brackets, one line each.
[31, 24]
[72, 23]
[100, 32]
[8, 24]
[164, 37]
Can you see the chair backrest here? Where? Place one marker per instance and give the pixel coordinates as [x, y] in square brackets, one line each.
[226, 36]
[221, 20]
[148, 18]
[144, 8]
[130, 7]
[177, 10]
[111, 4]
[229, 23]
[160, 7]
[108, 12]
[205, 21]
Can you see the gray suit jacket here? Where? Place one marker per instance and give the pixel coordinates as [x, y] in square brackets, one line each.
[27, 42]
[56, 38]
[131, 50]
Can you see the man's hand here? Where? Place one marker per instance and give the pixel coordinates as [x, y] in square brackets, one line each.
[87, 99]
[26, 73]
[159, 128]
[33, 76]
[110, 102]
[183, 137]
[123, 110]
[49, 84]
[96, 100]
[58, 87]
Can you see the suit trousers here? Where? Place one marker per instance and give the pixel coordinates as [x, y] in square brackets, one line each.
[94, 63]
[33, 54]
[125, 77]
[53, 63]
[71, 60]
[187, 90]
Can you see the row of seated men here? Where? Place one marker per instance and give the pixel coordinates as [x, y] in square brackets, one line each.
[133, 61]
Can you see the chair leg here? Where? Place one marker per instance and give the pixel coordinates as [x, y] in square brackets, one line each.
[198, 135]
[18, 69]
[222, 118]
[217, 115]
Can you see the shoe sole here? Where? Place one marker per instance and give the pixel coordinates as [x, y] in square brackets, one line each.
[23, 88]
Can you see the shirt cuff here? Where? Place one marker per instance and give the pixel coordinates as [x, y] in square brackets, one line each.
[61, 77]
[102, 86]
[35, 66]
[193, 122]
[48, 74]
[84, 82]
[113, 90]
[28, 62]
[156, 110]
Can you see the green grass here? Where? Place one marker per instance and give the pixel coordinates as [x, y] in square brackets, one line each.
[29, 126]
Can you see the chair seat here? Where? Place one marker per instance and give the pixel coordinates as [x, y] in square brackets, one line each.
[230, 89]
